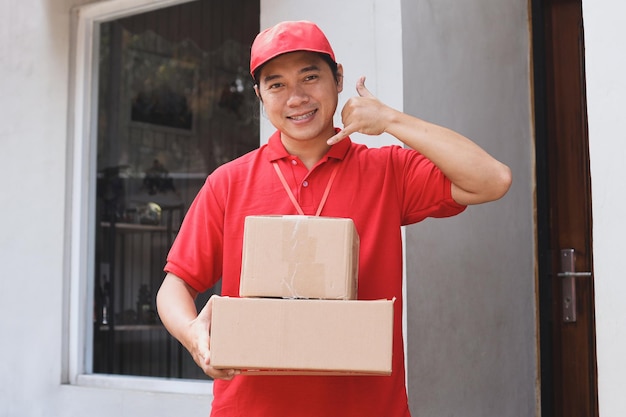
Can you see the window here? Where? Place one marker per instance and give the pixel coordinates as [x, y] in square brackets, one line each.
[174, 101]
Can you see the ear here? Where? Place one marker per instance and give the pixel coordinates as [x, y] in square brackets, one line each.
[339, 78]
[257, 92]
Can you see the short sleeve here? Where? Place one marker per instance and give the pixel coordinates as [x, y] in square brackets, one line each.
[425, 190]
[196, 254]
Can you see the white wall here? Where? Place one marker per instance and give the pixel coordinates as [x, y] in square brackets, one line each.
[367, 40]
[605, 37]
[34, 96]
[471, 279]
[33, 84]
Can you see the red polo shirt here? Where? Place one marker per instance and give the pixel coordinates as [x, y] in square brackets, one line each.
[381, 189]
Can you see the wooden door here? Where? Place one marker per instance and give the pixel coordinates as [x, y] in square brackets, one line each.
[568, 356]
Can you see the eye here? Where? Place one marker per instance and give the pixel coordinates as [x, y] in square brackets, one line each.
[311, 77]
[274, 86]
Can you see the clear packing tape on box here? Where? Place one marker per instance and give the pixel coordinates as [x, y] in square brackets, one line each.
[299, 257]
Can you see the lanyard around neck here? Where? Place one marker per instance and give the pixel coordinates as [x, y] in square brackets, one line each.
[293, 198]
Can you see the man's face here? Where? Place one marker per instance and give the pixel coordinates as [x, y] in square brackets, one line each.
[300, 94]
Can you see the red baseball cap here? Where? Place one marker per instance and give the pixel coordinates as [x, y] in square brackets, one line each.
[287, 37]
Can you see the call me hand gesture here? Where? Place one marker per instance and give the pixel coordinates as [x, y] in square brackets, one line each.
[364, 114]
[476, 176]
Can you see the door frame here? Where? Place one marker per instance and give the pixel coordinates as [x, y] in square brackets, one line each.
[542, 224]
[554, 334]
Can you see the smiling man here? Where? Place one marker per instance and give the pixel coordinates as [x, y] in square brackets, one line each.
[311, 167]
[299, 92]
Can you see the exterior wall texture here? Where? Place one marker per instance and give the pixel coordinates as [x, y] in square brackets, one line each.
[471, 286]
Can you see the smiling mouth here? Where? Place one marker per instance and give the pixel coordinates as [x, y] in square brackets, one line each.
[302, 116]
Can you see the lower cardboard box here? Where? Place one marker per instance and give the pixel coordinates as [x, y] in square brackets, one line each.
[308, 337]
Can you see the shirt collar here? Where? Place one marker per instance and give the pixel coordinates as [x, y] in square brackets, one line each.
[277, 151]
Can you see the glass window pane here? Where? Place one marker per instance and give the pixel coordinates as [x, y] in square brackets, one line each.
[175, 101]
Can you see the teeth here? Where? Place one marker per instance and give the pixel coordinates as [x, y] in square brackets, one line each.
[304, 116]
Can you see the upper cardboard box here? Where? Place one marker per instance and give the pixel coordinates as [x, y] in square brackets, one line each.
[299, 257]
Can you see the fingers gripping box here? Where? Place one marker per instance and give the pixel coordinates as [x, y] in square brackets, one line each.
[282, 336]
[299, 257]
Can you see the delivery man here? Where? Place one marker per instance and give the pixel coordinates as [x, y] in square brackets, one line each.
[310, 167]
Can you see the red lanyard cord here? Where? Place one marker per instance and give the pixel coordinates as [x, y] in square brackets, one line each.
[293, 198]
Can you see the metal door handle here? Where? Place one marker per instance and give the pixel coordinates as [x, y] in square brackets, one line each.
[574, 274]
[568, 276]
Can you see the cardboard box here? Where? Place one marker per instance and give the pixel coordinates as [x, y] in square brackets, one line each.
[299, 257]
[287, 336]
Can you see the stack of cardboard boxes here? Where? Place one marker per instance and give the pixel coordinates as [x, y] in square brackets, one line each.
[298, 312]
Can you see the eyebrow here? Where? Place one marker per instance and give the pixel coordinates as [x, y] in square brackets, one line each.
[304, 70]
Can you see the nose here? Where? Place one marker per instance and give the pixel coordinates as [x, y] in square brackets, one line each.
[297, 96]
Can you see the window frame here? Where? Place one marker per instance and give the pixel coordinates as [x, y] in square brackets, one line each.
[80, 213]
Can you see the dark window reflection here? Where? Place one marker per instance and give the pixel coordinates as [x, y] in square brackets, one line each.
[175, 102]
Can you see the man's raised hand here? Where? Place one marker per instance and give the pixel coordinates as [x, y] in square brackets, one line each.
[363, 113]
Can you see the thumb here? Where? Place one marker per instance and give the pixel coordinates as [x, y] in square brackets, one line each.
[361, 89]
[204, 342]
[207, 310]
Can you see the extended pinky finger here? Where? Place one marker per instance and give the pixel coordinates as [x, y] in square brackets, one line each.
[338, 137]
